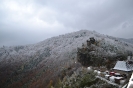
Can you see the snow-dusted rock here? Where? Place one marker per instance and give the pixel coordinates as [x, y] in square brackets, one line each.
[89, 69]
[99, 73]
[95, 71]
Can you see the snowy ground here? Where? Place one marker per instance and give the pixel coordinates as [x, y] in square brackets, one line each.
[108, 81]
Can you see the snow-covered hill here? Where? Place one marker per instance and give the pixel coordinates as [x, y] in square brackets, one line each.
[62, 44]
[46, 59]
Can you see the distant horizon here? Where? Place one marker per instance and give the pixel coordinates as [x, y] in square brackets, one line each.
[56, 36]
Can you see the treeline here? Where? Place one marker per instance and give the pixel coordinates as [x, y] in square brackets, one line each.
[98, 53]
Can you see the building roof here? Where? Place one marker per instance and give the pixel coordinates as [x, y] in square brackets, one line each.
[123, 66]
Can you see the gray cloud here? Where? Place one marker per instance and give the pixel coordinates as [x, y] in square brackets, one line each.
[31, 21]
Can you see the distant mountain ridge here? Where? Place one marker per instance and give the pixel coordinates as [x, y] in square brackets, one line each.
[37, 64]
[127, 40]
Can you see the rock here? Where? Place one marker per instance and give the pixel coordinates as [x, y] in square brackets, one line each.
[95, 71]
[89, 69]
[99, 73]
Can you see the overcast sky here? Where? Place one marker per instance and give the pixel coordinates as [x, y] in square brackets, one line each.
[31, 21]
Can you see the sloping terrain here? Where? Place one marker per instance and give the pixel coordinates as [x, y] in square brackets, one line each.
[42, 64]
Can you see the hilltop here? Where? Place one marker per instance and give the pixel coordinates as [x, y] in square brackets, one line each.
[36, 65]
